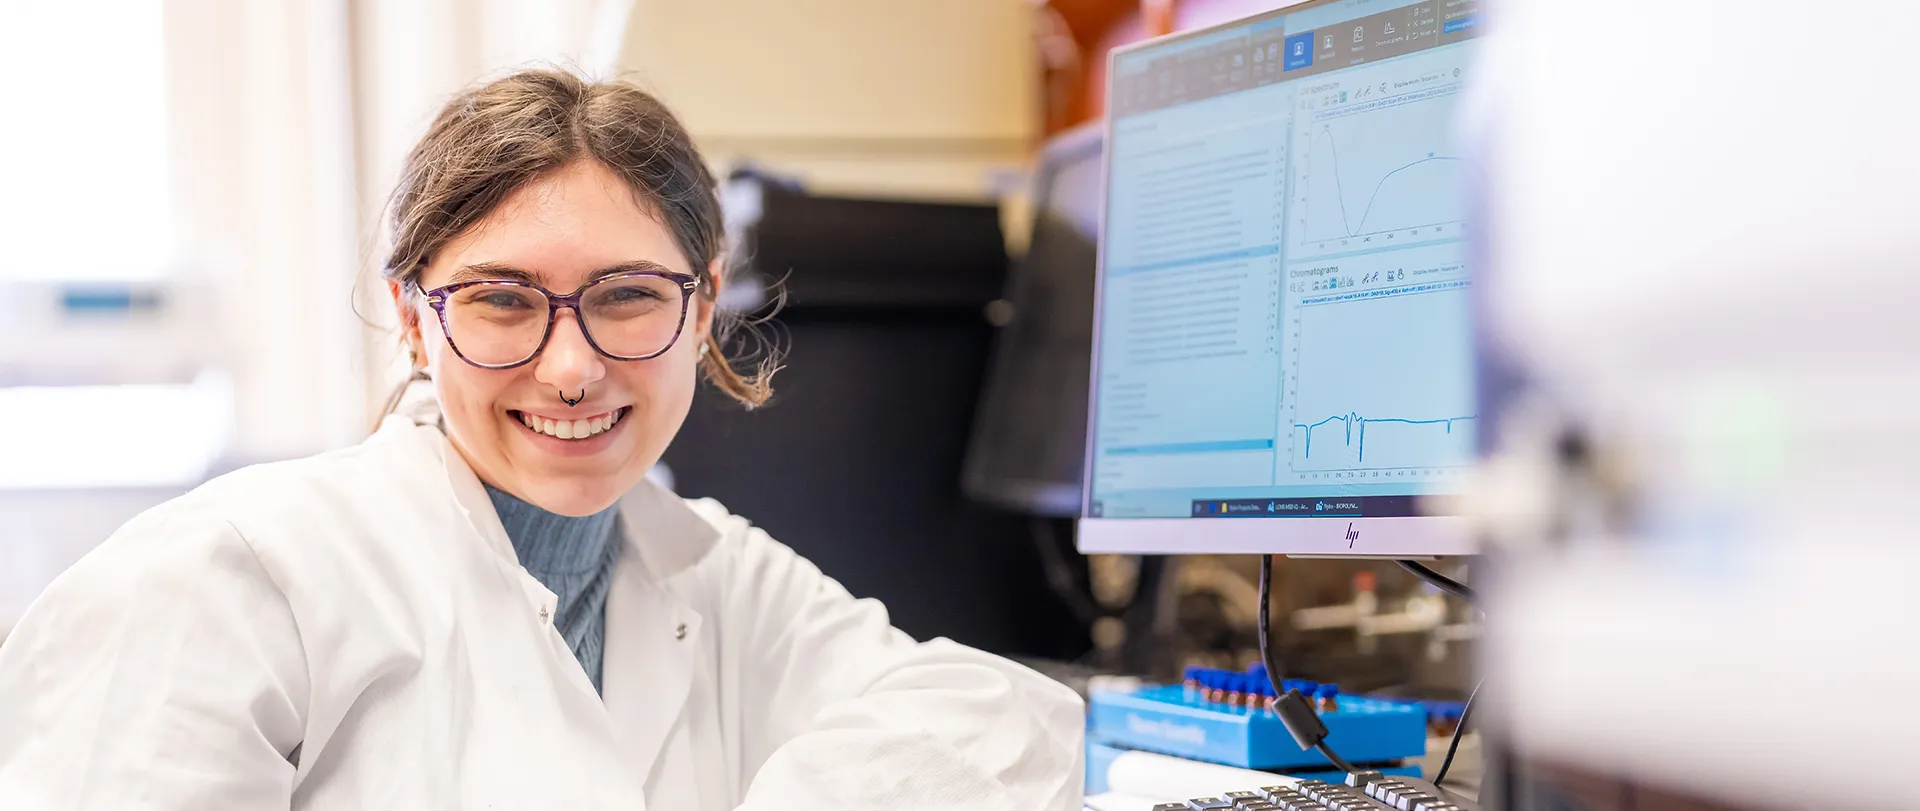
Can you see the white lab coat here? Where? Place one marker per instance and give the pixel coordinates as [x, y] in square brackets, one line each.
[365, 608]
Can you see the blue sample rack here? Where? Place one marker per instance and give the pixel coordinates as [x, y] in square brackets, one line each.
[1184, 722]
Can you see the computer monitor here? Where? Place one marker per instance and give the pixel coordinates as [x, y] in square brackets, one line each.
[1029, 438]
[1283, 360]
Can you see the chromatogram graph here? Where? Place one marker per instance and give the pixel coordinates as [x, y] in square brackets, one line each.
[1358, 444]
[1383, 383]
[1385, 173]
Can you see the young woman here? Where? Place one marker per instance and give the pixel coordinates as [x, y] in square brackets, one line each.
[486, 605]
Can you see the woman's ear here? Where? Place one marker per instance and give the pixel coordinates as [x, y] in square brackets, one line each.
[409, 323]
[708, 304]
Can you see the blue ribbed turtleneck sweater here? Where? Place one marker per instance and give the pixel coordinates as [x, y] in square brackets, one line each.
[573, 557]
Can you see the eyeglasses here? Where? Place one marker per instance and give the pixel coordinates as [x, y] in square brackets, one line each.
[499, 324]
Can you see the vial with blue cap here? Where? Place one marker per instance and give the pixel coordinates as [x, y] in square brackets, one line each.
[1243, 690]
[1215, 682]
[1328, 696]
[1446, 718]
[1264, 693]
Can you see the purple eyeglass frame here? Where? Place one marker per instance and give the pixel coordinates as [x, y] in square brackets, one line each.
[437, 298]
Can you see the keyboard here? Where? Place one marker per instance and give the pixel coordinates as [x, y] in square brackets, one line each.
[1362, 791]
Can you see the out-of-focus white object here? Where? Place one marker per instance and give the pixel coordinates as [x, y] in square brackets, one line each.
[1116, 801]
[1171, 779]
[77, 333]
[88, 187]
[1701, 253]
[74, 437]
[1114, 684]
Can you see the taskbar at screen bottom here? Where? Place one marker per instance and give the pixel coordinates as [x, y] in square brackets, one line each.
[1324, 507]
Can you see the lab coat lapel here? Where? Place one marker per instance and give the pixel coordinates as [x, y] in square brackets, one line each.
[471, 497]
[653, 636]
[647, 672]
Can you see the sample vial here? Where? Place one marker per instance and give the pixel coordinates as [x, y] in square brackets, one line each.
[1190, 679]
[1329, 698]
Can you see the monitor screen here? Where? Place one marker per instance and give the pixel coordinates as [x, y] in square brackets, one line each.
[1283, 323]
[1030, 436]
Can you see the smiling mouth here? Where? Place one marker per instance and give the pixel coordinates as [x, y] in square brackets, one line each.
[572, 429]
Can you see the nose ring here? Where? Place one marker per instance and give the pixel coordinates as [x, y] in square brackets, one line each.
[574, 401]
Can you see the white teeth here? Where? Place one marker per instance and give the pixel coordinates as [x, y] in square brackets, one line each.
[571, 429]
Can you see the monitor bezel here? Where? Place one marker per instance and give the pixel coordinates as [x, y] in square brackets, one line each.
[1049, 499]
[1417, 536]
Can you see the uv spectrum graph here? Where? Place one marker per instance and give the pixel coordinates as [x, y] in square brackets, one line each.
[1377, 174]
[1408, 207]
[1383, 382]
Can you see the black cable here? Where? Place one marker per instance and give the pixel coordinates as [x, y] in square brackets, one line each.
[1440, 581]
[1454, 746]
[1060, 574]
[1263, 625]
[1338, 761]
[1264, 628]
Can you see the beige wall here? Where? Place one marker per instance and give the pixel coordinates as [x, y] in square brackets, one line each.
[921, 98]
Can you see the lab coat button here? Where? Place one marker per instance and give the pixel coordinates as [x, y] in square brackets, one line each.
[680, 632]
[543, 613]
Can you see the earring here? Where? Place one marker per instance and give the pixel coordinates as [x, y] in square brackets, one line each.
[704, 348]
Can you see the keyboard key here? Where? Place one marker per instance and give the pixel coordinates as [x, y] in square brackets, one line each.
[1406, 802]
[1210, 804]
[1389, 793]
[1363, 777]
[1171, 807]
[1289, 800]
[1240, 799]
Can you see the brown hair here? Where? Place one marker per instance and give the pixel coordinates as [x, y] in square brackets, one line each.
[492, 139]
